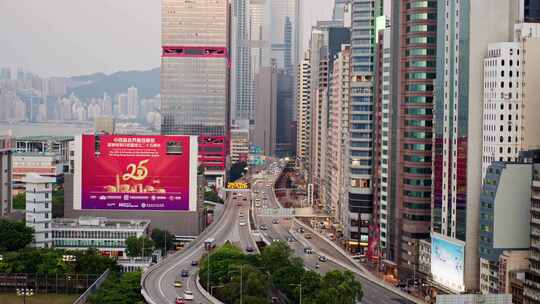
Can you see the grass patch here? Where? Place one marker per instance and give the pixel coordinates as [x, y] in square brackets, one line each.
[51, 298]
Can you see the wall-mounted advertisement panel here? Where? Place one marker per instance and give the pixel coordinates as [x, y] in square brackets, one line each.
[124, 172]
[447, 262]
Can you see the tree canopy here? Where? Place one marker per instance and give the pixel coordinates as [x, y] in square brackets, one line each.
[119, 289]
[136, 245]
[14, 235]
[276, 269]
[163, 239]
[51, 261]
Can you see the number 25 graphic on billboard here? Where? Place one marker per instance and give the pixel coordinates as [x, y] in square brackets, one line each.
[137, 173]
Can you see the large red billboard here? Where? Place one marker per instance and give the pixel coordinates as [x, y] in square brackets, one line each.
[124, 172]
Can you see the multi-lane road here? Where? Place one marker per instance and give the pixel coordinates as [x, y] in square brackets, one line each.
[287, 228]
[158, 281]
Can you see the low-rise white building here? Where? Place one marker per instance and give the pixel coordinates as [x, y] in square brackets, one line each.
[39, 207]
[107, 235]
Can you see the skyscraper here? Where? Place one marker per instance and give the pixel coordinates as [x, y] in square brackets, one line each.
[266, 99]
[241, 60]
[360, 143]
[195, 77]
[303, 105]
[465, 30]
[413, 48]
[284, 33]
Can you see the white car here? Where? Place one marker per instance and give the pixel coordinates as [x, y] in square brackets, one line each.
[242, 223]
[188, 295]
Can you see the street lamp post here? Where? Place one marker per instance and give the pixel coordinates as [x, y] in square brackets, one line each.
[241, 282]
[300, 286]
[25, 292]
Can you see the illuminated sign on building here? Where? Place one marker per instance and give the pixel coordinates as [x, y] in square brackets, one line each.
[237, 186]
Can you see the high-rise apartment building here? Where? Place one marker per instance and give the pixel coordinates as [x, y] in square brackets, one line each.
[241, 84]
[414, 49]
[303, 105]
[360, 144]
[531, 290]
[385, 147]
[465, 31]
[502, 104]
[285, 110]
[338, 117]
[195, 77]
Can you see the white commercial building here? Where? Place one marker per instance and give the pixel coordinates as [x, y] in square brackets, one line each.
[239, 144]
[107, 235]
[338, 114]
[502, 104]
[303, 103]
[39, 207]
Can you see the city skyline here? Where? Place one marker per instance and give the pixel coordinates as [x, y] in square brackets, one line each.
[65, 52]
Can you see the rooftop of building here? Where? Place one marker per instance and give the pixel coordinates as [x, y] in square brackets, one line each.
[44, 138]
[34, 178]
[36, 153]
[101, 222]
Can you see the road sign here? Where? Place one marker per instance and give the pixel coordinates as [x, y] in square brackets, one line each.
[276, 212]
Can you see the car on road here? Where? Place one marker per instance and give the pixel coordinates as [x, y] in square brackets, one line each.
[250, 248]
[308, 250]
[179, 300]
[194, 263]
[307, 236]
[184, 273]
[188, 295]
[177, 284]
[301, 230]
[322, 258]
[276, 240]
[290, 239]
[263, 227]
[275, 221]
[242, 223]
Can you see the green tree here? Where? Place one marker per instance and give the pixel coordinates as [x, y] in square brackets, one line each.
[340, 288]
[19, 201]
[136, 245]
[91, 261]
[119, 289]
[163, 239]
[14, 235]
[275, 256]
[237, 170]
[212, 196]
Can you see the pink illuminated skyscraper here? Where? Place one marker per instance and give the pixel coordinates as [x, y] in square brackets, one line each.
[195, 77]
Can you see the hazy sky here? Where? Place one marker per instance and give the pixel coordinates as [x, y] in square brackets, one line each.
[72, 37]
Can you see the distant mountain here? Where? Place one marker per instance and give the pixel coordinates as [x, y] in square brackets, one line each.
[91, 78]
[94, 85]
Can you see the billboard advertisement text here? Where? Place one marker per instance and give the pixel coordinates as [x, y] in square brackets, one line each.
[123, 172]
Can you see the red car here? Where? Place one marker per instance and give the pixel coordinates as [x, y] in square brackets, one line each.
[180, 300]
